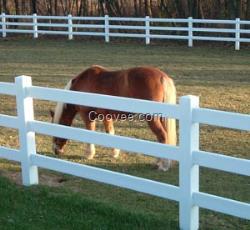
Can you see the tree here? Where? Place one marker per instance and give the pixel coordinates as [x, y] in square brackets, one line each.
[147, 5]
[227, 9]
[248, 10]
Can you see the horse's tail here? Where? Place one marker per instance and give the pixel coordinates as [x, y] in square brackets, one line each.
[170, 123]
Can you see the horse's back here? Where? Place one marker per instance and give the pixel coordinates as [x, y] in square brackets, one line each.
[147, 83]
[138, 82]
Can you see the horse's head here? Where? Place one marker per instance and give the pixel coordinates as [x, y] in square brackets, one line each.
[63, 115]
[57, 143]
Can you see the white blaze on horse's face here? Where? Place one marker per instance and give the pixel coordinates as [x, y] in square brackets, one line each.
[56, 119]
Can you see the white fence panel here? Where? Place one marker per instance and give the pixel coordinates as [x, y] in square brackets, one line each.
[35, 27]
[188, 172]
[188, 153]
[222, 119]
[147, 30]
[10, 154]
[7, 88]
[107, 26]
[129, 144]
[25, 113]
[3, 23]
[223, 205]
[104, 101]
[222, 162]
[9, 121]
[70, 28]
[114, 178]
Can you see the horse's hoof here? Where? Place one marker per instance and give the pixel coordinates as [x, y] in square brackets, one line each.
[90, 156]
[116, 153]
[164, 165]
[160, 168]
[58, 152]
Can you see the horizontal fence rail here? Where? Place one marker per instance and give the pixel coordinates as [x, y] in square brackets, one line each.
[222, 162]
[190, 29]
[106, 176]
[7, 88]
[187, 153]
[104, 101]
[222, 119]
[223, 205]
[9, 121]
[10, 154]
[125, 143]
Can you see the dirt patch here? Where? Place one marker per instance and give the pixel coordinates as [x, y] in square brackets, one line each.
[44, 179]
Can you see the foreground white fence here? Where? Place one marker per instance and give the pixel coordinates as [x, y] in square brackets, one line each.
[187, 153]
[147, 28]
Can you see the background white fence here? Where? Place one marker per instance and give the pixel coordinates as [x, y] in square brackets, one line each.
[147, 28]
[187, 153]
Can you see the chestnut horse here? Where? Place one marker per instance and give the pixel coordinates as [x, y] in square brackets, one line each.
[140, 82]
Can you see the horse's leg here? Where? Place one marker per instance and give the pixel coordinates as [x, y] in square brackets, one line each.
[159, 130]
[109, 128]
[90, 125]
[163, 123]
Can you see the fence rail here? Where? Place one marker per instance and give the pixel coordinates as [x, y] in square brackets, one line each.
[187, 153]
[147, 28]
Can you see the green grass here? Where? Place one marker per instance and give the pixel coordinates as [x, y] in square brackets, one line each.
[220, 76]
[60, 209]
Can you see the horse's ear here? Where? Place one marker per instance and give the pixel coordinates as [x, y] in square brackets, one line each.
[52, 113]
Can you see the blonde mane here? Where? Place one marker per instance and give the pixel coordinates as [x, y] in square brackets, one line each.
[98, 66]
[60, 106]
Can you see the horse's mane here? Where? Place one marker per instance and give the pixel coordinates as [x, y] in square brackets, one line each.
[99, 67]
[60, 106]
[92, 70]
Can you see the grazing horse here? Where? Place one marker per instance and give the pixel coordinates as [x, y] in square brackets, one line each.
[146, 83]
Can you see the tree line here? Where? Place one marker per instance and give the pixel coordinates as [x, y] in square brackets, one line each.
[215, 9]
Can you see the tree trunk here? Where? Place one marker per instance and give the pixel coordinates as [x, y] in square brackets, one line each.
[248, 10]
[185, 8]
[33, 7]
[55, 7]
[136, 8]
[147, 5]
[201, 10]
[101, 8]
[141, 13]
[17, 9]
[231, 9]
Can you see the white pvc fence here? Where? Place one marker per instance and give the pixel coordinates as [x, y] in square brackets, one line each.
[187, 153]
[147, 28]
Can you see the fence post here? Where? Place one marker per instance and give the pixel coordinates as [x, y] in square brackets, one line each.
[190, 32]
[70, 26]
[106, 22]
[147, 29]
[189, 173]
[3, 25]
[35, 28]
[27, 138]
[237, 34]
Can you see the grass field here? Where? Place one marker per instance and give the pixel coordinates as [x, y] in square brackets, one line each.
[219, 75]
